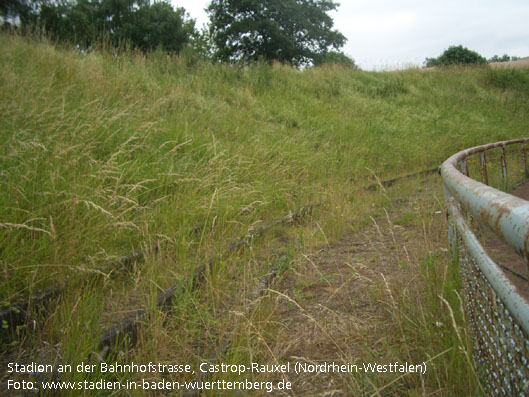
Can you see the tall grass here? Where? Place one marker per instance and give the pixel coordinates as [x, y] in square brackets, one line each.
[102, 154]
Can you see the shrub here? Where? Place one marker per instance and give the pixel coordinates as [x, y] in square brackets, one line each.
[504, 58]
[456, 55]
[335, 58]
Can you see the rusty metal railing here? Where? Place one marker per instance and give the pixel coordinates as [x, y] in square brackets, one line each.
[496, 309]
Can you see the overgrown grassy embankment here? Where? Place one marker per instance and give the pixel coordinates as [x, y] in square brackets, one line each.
[101, 155]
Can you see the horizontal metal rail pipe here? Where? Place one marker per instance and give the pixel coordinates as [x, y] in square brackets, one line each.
[505, 215]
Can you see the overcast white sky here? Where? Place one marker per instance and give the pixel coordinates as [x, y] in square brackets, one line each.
[389, 34]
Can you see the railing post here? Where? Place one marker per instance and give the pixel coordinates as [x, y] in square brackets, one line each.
[451, 231]
[504, 166]
[483, 162]
[524, 160]
[464, 167]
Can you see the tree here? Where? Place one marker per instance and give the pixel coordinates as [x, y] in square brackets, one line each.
[504, 58]
[17, 12]
[335, 58]
[456, 55]
[53, 18]
[143, 24]
[293, 31]
[201, 44]
[158, 24]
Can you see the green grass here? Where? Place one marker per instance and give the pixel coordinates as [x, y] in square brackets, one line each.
[101, 155]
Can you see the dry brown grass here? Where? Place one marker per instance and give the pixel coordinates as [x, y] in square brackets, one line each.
[521, 63]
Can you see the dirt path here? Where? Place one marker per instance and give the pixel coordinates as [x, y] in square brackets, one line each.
[343, 304]
[337, 306]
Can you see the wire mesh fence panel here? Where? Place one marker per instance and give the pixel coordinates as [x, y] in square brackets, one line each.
[501, 349]
[497, 309]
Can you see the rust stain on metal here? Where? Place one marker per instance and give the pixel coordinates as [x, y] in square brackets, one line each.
[500, 212]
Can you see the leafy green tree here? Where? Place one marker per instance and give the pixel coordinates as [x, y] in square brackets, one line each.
[116, 17]
[335, 58]
[81, 23]
[504, 58]
[293, 31]
[202, 45]
[142, 24]
[456, 55]
[53, 18]
[17, 12]
[159, 25]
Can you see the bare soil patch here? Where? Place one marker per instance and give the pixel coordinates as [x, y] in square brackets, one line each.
[340, 300]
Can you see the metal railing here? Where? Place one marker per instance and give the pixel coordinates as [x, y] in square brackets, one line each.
[497, 311]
